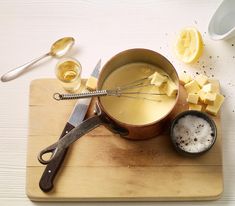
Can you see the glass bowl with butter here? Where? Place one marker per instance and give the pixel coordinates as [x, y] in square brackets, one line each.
[193, 133]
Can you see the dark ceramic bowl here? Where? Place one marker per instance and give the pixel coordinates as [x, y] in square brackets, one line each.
[198, 114]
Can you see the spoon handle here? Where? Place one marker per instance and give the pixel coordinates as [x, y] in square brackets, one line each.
[14, 73]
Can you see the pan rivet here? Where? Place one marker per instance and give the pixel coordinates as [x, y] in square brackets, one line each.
[49, 171]
[66, 132]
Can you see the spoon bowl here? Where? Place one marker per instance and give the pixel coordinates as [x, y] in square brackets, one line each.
[62, 46]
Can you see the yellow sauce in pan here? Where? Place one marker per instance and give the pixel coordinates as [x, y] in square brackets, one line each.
[136, 109]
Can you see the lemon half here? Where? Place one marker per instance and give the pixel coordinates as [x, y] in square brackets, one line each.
[189, 45]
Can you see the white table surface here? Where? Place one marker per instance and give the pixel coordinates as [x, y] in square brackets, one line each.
[101, 28]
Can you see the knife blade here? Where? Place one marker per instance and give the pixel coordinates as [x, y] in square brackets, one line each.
[46, 182]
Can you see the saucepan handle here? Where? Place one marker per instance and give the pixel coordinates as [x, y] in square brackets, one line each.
[58, 147]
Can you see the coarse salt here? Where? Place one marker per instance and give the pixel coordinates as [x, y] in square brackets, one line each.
[193, 134]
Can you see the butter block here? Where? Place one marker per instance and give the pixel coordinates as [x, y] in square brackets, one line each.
[216, 84]
[162, 89]
[184, 78]
[209, 88]
[195, 107]
[210, 98]
[193, 98]
[201, 79]
[91, 83]
[152, 76]
[171, 89]
[202, 95]
[158, 79]
[192, 87]
[214, 109]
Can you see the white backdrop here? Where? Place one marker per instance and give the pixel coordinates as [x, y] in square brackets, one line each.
[101, 29]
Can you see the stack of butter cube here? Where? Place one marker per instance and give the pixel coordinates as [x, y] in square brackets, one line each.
[203, 93]
[164, 84]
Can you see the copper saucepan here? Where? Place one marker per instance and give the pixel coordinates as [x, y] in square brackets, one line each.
[134, 132]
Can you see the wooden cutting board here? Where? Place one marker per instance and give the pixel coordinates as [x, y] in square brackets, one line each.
[102, 166]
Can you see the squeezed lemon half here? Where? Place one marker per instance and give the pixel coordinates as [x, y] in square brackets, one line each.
[189, 45]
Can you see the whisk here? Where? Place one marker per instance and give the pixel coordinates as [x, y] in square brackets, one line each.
[121, 91]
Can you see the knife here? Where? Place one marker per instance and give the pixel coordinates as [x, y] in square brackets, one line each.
[76, 117]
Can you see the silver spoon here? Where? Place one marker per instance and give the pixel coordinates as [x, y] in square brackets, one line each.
[58, 49]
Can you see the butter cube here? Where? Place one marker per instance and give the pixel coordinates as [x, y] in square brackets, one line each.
[162, 89]
[152, 76]
[202, 95]
[214, 109]
[192, 87]
[193, 98]
[201, 79]
[171, 89]
[209, 88]
[210, 98]
[195, 107]
[158, 79]
[91, 83]
[184, 78]
[216, 84]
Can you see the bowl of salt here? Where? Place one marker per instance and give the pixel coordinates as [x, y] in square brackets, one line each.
[193, 133]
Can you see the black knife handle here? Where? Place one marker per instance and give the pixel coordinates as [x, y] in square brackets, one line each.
[51, 170]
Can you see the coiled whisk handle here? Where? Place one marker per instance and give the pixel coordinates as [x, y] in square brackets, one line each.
[58, 96]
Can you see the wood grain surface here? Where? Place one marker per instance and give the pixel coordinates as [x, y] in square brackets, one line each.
[104, 166]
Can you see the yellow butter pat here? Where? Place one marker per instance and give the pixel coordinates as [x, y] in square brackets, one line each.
[201, 79]
[91, 83]
[202, 95]
[158, 79]
[209, 88]
[216, 84]
[171, 89]
[210, 98]
[214, 109]
[193, 98]
[192, 87]
[195, 107]
[162, 89]
[184, 78]
[152, 76]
